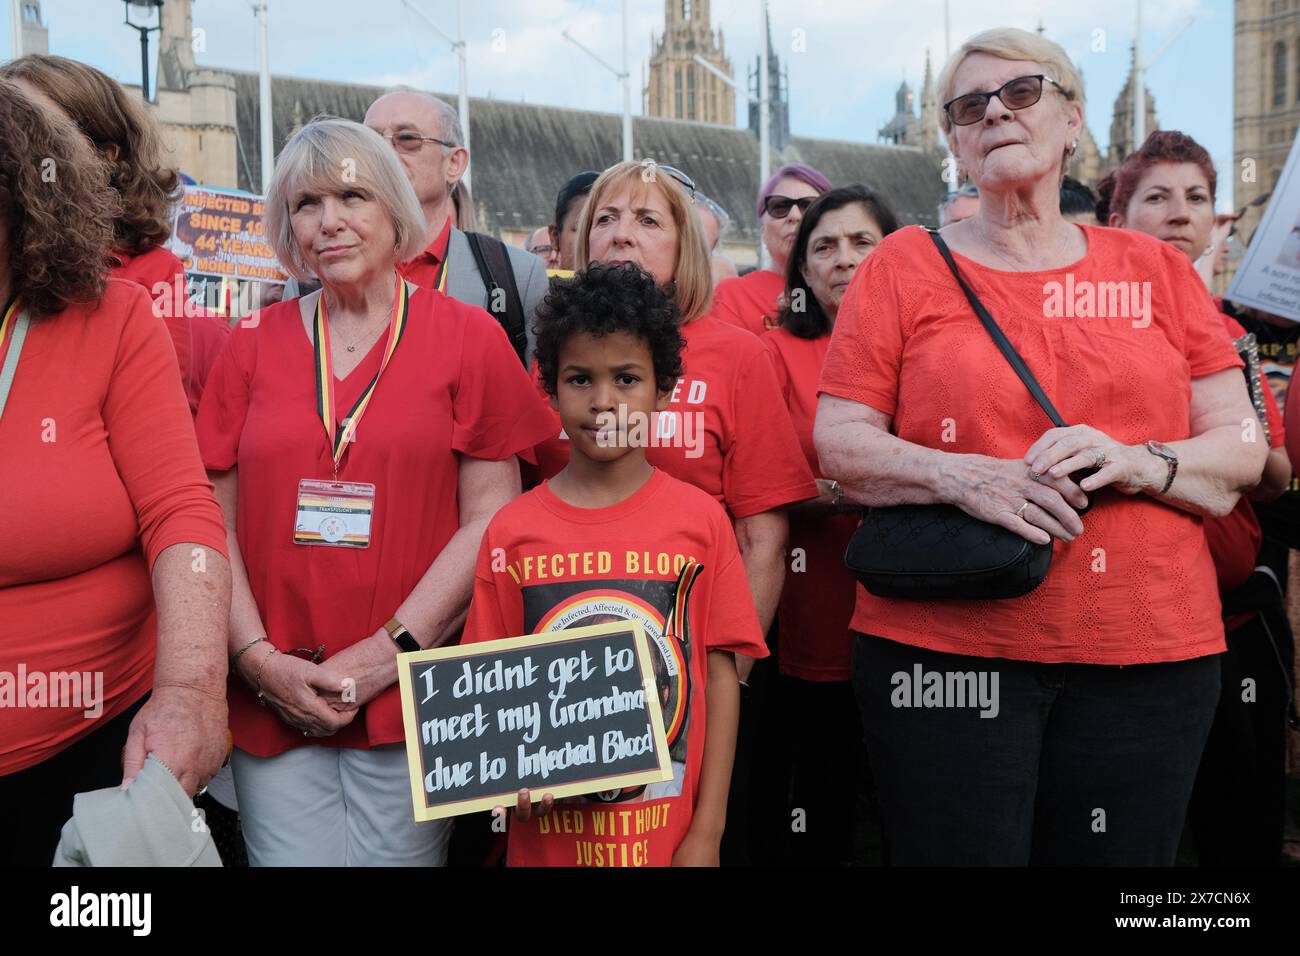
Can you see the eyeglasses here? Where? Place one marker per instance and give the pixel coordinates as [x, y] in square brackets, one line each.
[1017, 94]
[410, 142]
[541, 250]
[966, 192]
[778, 207]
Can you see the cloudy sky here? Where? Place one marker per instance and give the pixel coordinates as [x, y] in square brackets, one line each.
[842, 82]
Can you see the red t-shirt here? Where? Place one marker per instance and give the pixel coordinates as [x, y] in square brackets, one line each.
[453, 387]
[1235, 539]
[731, 433]
[817, 600]
[209, 332]
[101, 474]
[1137, 586]
[571, 567]
[749, 302]
[163, 276]
[423, 269]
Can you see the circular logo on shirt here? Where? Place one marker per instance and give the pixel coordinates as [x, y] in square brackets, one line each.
[333, 529]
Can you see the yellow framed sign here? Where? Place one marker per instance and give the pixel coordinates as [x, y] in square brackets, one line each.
[568, 713]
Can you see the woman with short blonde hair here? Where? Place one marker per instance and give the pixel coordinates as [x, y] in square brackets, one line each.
[1098, 686]
[359, 439]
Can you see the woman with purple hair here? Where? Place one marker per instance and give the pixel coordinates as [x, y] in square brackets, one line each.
[750, 301]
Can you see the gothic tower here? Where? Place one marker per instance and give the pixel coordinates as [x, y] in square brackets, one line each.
[1121, 124]
[778, 97]
[678, 87]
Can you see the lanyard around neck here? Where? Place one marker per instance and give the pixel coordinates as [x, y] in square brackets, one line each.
[339, 438]
[13, 329]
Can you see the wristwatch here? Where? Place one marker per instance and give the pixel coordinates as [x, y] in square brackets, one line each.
[401, 636]
[1161, 450]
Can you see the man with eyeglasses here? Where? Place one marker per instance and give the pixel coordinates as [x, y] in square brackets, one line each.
[472, 268]
[539, 244]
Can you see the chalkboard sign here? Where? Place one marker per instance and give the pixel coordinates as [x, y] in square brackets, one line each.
[567, 713]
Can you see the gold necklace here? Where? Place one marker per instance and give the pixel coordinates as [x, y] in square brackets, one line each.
[368, 333]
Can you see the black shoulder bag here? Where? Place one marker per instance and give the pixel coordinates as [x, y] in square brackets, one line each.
[929, 552]
[512, 318]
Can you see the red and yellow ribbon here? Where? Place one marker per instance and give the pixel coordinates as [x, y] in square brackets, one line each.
[339, 438]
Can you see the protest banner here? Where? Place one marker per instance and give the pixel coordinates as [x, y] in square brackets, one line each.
[568, 713]
[1269, 275]
[218, 233]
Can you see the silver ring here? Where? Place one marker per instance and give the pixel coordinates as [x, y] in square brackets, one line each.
[1098, 458]
[1035, 476]
[1021, 512]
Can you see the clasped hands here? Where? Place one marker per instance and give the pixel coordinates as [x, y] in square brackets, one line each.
[321, 699]
[1035, 496]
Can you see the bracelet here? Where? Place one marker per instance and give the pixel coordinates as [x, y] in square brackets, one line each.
[258, 679]
[243, 650]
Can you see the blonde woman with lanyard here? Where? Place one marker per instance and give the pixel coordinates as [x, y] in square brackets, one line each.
[359, 440]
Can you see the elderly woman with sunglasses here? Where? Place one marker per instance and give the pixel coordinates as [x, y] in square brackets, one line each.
[752, 302]
[1096, 689]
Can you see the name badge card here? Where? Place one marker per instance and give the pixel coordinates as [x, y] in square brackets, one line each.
[334, 514]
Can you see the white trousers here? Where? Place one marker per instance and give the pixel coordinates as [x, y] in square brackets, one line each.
[333, 806]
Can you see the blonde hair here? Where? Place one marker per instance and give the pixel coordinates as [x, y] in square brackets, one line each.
[329, 154]
[1008, 43]
[692, 271]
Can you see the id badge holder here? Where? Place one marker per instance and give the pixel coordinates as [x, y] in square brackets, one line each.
[334, 514]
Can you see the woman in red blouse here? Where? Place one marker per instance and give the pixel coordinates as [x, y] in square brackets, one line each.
[114, 585]
[1167, 190]
[837, 233]
[752, 301]
[127, 138]
[1067, 724]
[359, 438]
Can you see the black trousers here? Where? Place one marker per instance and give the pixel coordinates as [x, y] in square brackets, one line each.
[1075, 764]
[1238, 808]
[831, 799]
[35, 803]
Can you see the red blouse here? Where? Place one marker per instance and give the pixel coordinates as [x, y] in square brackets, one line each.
[101, 474]
[159, 272]
[453, 387]
[1137, 587]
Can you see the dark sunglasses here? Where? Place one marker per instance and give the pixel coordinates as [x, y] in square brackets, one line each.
[1017, 94]
[778, 207]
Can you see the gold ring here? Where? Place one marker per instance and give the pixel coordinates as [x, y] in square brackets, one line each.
[1021, 512]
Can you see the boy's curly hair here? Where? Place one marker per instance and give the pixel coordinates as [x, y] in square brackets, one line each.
[55, 204]
[602, 299]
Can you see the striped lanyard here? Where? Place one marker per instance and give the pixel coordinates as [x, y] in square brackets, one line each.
[339, 438]
[13, 332]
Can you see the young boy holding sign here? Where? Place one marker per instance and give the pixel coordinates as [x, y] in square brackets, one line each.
[611, 537]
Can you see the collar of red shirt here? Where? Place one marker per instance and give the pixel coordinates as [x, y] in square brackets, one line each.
[437, 250]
